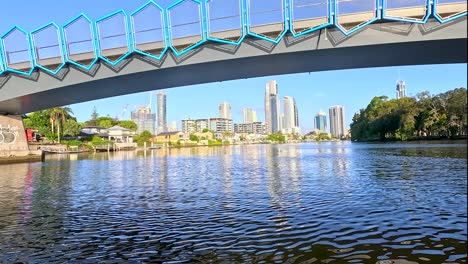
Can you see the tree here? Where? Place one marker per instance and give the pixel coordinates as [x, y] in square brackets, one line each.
[128, 124]
[277, 137]
[441, 115]
[143, 137]
[38, 121]
[72, 128]
[58, 116]
[94, 118]
[106, 122]
[228, 134]
[194, 138]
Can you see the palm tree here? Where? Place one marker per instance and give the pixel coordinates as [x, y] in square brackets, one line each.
[59, 115]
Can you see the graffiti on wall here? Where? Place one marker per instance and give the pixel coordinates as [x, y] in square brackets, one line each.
[8, 134]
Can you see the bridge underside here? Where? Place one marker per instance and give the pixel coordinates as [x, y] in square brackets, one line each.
[378, 45]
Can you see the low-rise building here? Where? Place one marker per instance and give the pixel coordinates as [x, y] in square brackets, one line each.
[220, 125]
[120, 134]
[188, 126]
[173, 137]
[250, 128]
[90, 131]
[202, 124]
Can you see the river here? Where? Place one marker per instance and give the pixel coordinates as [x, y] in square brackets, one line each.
[335, 202]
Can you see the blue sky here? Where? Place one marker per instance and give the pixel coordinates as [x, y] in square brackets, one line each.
[351, 88]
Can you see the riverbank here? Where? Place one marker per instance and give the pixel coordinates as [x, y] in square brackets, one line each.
[413, 139]
[20, 159]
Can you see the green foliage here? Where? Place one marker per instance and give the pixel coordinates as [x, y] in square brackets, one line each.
[277, 137]
[106, 122]
[322, 136]
[441, 115]
[194, 138]
[215, 142]
[72, 142]
[50, 122]
[96, 139]
[142, 138]
[128, 124]
[71, 127]
[38, 121]
[94, 118]
[205, 130]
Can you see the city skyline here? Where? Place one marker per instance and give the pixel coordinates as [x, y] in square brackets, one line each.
[199, 101]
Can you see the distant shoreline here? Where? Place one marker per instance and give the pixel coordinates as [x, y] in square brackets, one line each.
[411, 139]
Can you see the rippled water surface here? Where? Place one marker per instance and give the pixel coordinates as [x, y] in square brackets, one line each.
[316, 202]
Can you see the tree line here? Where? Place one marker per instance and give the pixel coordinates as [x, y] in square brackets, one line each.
[424, 116]
[54, 123]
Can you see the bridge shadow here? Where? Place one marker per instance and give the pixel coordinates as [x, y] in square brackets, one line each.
[149, 60]
[186, 56]
[433, 25]
[225, 48]
[290, 40]
[4, 79]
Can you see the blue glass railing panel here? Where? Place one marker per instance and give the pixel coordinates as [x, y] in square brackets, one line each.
[267, 21]
[80, 42]
[447, 10]
[262, 14]
[16, 48]
[406, 11]
[186, 28]
[225, 21]
[352, 15]
[16, 51]
[48, 48]
[148, 30]
[112, 37]
[308, 14]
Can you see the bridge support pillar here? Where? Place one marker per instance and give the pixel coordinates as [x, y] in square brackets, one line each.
[12, 136]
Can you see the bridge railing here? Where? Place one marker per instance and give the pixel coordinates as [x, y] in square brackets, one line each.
[152, 30]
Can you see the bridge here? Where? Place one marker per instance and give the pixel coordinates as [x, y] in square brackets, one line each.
[200, 41]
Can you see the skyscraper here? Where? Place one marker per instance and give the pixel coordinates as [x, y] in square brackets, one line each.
[225, 110]
[162, 112]
[296, 115]
[337, 121]
[400, 89]
[320, 121]
[272, 107]
[290, 110]
[144, 119]
[249, 115]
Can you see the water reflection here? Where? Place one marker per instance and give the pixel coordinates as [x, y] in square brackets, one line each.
[332, 202]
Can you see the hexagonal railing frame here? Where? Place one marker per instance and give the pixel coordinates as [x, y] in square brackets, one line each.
[225, 41]
[30, 52]
[360, 26]
[442, 20]
[285, 23]
[310, 30]
[164, 30]
[2, 67]
[202, 28]
[408, 20]
[127, 35]
[93, 39]
[60, 43]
